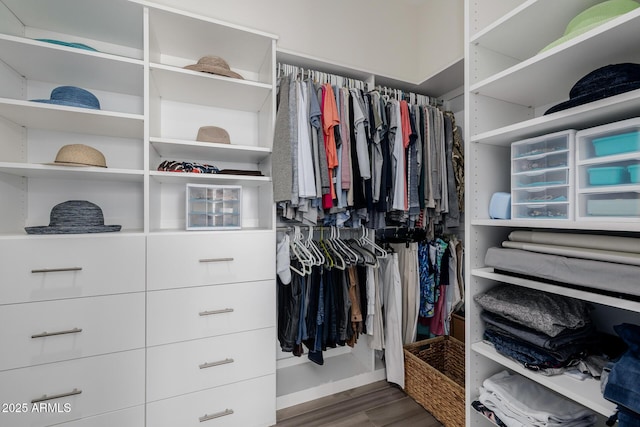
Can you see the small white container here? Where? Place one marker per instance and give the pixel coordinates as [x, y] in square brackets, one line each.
[213, 207]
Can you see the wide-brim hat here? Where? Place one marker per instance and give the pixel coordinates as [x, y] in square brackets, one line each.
[79, 155]
[74, 217]
[72, 96]
[601, 83]
[592, 18]
[213, 134]
[69, 44]
[214, 65]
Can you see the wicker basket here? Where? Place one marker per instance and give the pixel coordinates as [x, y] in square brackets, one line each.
[434, 377]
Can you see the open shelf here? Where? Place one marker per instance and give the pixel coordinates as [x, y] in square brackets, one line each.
[30, 170]
[544, 78]
[177, 84]
[586, 393]
[178, 148]
[71, 119]
[559, 224]
[202, 178]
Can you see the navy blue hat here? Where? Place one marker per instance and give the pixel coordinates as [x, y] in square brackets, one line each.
[73, 97]
[604, 82]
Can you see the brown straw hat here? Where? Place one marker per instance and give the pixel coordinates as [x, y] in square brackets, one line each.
[79, 155]
[214, 65]
[213, 134]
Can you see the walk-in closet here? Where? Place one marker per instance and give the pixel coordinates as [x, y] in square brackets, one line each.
[249, 213]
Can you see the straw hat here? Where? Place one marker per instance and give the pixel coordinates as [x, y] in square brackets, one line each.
[214, 65]
[72, 96]
[213, 134]
[74, 217]
[79, 155]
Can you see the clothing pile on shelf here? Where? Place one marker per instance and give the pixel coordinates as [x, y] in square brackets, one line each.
[548, 333]
[621, 385]
[343, 156]
[512, 400]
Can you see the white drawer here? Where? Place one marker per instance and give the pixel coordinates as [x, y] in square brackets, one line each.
[211, 258]
[106, 383]
[245, 404]
[38, 268]
[51, 331]
[131, 417]
[192, 313]
[190, 366]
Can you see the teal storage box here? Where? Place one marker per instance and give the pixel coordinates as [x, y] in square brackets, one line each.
[611, 175]
[634, 173]
[617, 144]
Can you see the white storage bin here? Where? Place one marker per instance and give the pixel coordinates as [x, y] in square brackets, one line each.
[211, 207]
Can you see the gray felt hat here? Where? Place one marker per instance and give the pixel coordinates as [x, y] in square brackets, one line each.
[74, 217]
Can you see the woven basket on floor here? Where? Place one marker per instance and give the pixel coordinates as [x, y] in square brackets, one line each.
[434, 377]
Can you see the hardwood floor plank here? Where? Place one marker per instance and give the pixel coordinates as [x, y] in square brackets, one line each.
[375, 405]
[395, 411]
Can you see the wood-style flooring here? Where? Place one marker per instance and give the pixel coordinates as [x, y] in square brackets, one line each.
[378, 404]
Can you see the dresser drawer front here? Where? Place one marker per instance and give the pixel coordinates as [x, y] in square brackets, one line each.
[131, 417]
[106, 383]
[51, 267]
[192, 313]
[240, 404]
[51, 331]
[185, 367]
[206, 259]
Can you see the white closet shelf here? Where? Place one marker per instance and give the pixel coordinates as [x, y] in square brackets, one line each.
[186, 35]
[619, 107]
[71, 119]
[178, 148]
[22, 235]
[205, 178]
[46, 62]
[30, 170]
[560, 224]
[511, 34]
[182, 231]
[586, 393]
[547, 78]
[488, 273]
[117, 21]
[194, 87]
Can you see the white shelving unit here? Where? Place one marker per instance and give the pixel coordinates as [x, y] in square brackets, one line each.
[508, 87]
[218, 285]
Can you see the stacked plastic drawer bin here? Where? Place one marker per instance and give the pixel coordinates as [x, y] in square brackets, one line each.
[608, 161]
[542, 177]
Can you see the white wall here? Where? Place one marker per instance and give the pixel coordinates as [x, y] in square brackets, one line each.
[441, 35]
[393, 38]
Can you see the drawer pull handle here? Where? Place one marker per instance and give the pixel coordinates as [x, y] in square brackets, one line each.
[218, 363]
[51, 334]
[56, 396]
[224, 413]
[56, 270]
[212, 312]
[216, 260]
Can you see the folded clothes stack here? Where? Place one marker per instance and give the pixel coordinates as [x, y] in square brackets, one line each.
[518, 401]
[544, 332]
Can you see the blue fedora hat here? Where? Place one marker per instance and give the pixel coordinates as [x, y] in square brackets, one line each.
[72, 96]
